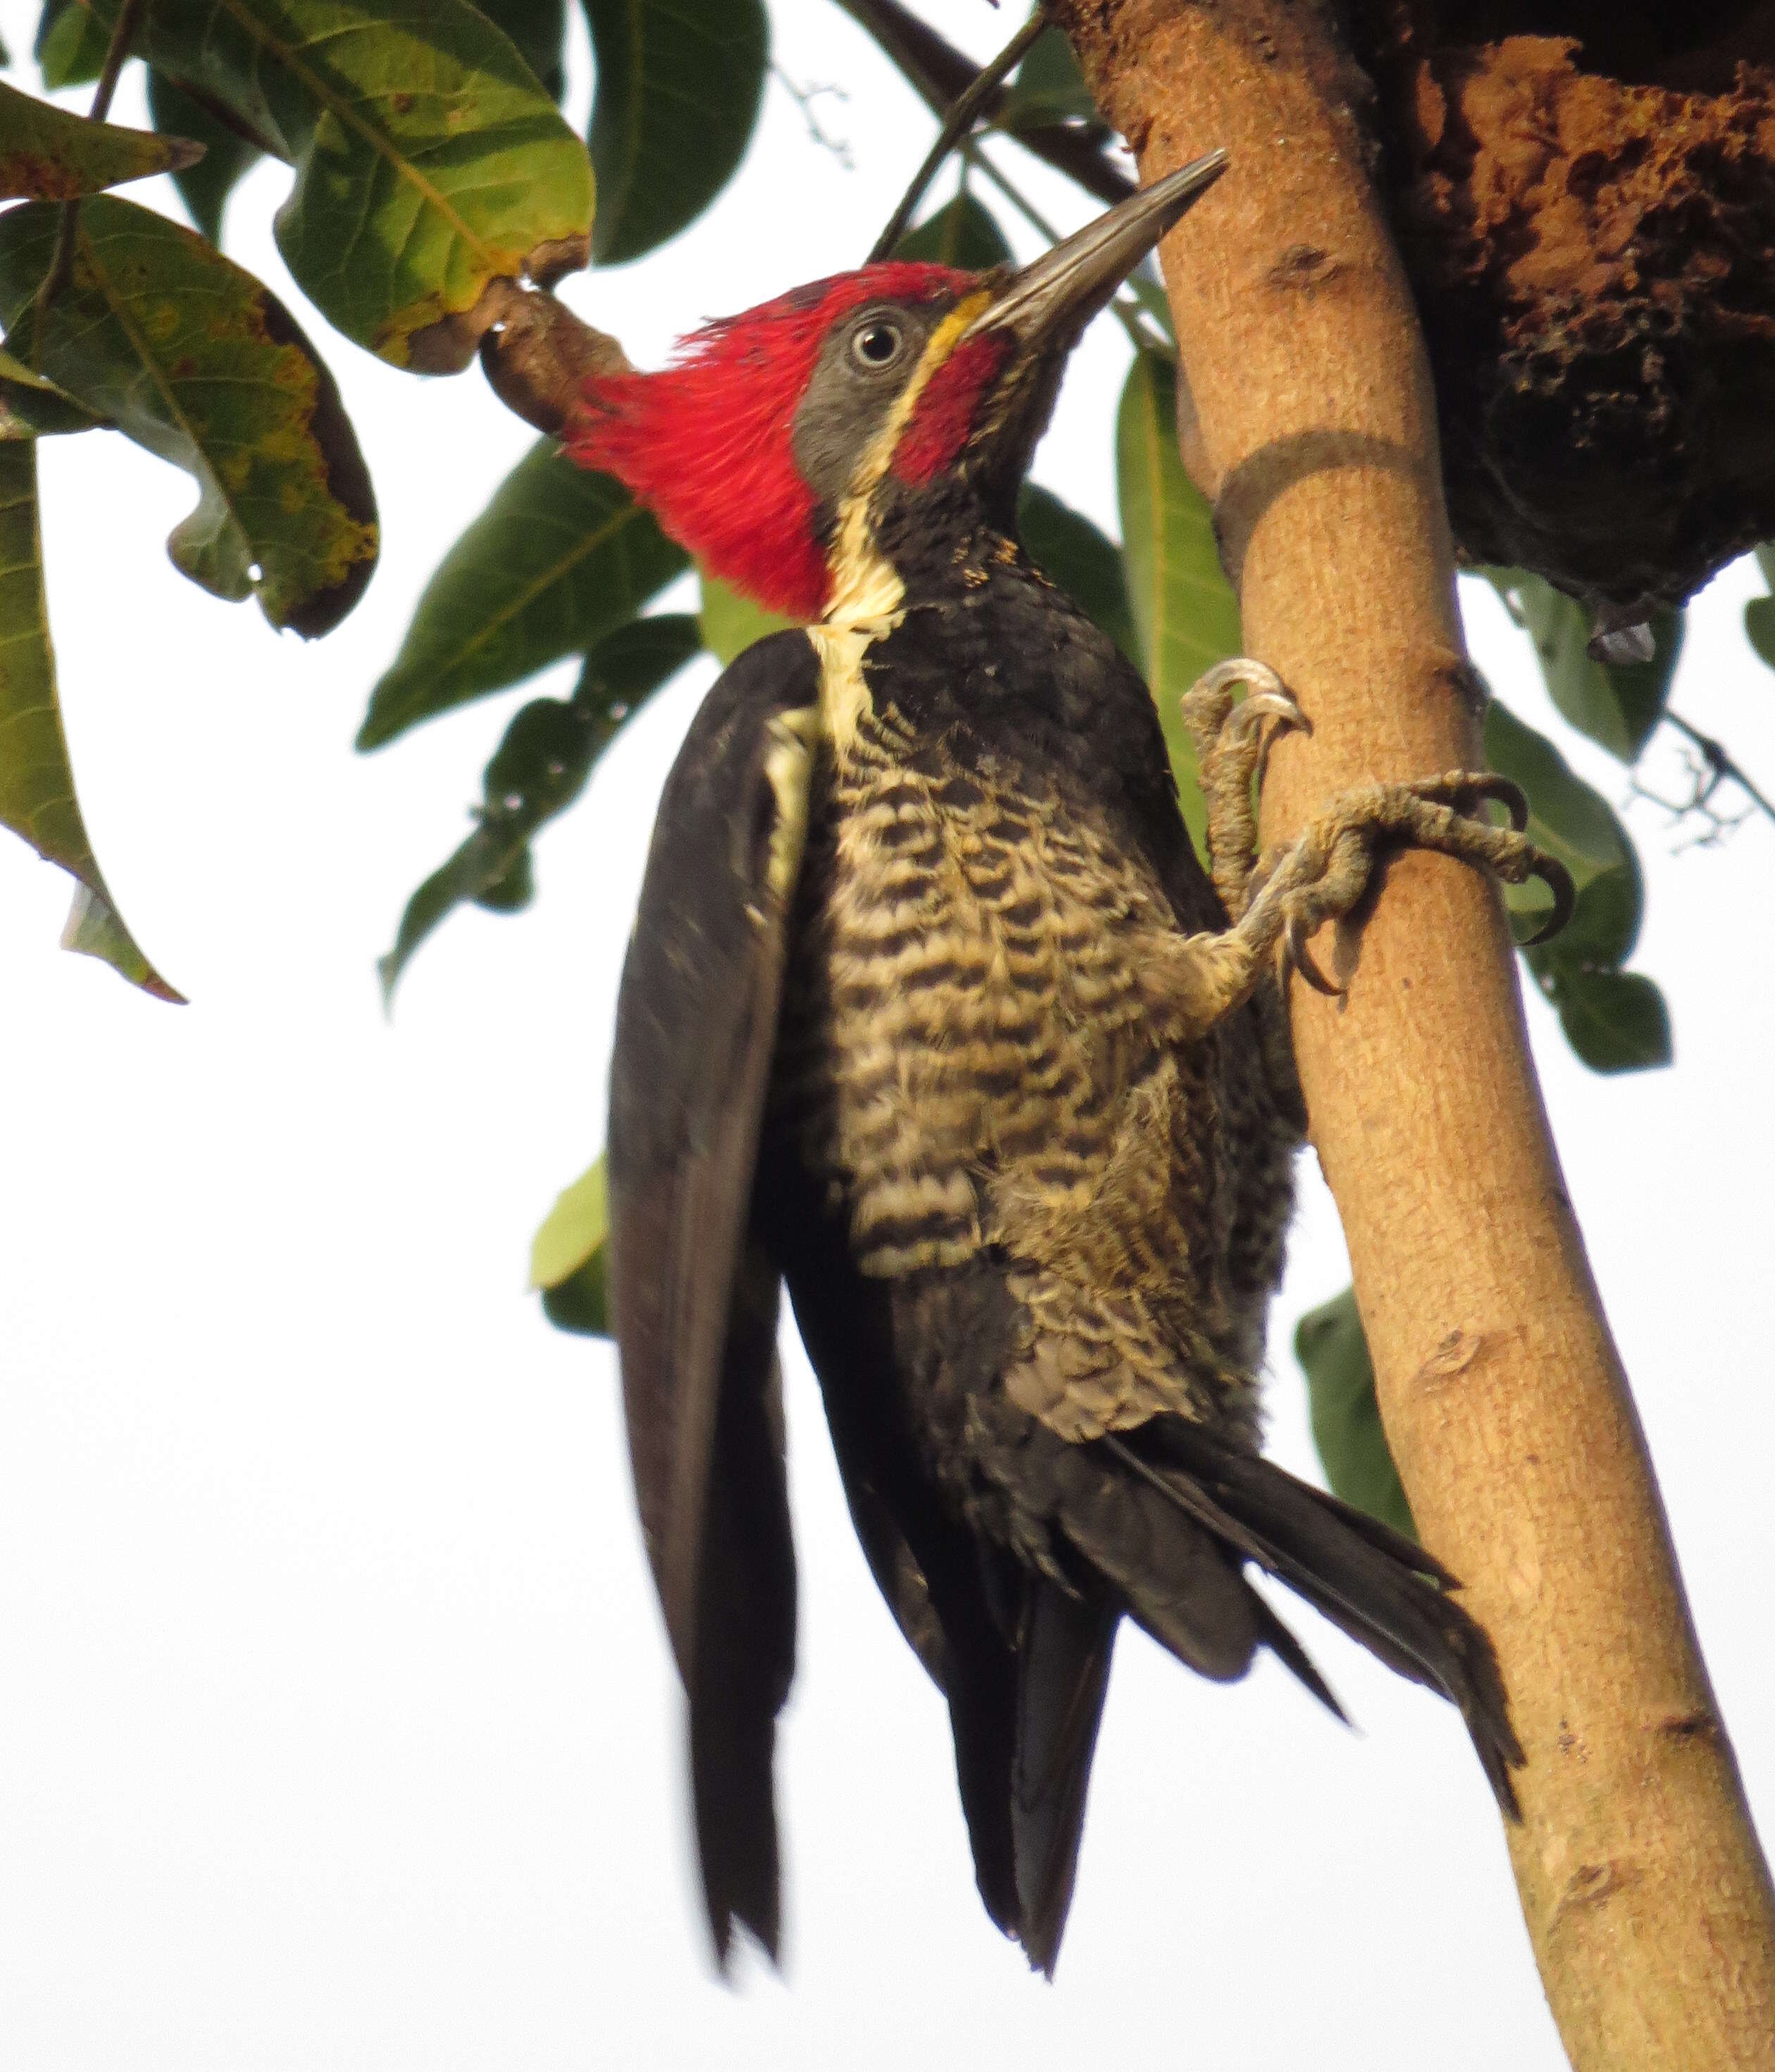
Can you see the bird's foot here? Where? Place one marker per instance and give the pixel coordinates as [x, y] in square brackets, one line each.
[1231, 741]
[1322, 874]
[1325, 870]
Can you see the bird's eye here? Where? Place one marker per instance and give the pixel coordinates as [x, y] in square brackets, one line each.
[876, 345]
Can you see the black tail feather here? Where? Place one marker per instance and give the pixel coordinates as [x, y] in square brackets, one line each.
[1282, 1643]
[1063, 1673]
[1381, 1589]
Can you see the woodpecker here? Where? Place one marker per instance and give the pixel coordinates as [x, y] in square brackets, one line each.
[931, 1015]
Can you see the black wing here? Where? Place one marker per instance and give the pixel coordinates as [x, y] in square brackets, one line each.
[693, 1299]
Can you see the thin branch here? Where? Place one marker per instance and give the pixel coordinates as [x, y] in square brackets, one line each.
[938, 73]
[61, 265]
[803, 97]
[963, 112]
[1721, 768]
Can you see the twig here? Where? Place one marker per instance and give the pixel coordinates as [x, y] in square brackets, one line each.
[1721, 768]
[61, 264]
[957, 123]
[938, 72]
[803, 97]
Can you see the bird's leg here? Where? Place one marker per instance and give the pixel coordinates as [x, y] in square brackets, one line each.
[1230, 741]
[1323, 873]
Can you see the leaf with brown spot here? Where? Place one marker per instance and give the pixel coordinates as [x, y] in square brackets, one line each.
[48, 153]
[36, 780]
[430, 161]
[200, 362]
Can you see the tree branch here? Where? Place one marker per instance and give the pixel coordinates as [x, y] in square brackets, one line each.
[1312, 427]
[939, 74]
[958, 121]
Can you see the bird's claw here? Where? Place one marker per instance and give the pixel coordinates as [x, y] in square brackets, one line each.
[1510, 795]
[1468, 791]
[1300, 957]
[1559, 881]
[1211, 716]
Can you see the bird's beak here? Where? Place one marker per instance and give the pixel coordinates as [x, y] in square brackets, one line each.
[1051, 302]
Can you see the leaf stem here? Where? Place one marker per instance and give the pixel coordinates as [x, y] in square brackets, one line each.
[61, 264]
[962, 114]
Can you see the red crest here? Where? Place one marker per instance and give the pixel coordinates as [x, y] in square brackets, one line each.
[708, 443]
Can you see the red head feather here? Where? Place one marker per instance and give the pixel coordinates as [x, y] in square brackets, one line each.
[708, 444]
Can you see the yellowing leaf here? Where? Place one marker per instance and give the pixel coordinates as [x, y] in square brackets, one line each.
[429, 160]
[159, 333]
[53, 155]
[569, 1254]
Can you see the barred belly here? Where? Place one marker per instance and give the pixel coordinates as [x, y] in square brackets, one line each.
[971, 1057]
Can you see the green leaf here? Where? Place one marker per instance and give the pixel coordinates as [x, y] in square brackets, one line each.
[1148, 290]
[1760, 613]
[679, 84]
[731, 622]
[537, 770]
[1346, 1419]
[1185, 611]
[962, 233]
[1616, 1020]
[1617, 704]
[1577, 825]
[558, 559]
[569, 1254]
[37, 796]
[1048, 88]
[31, 407]
[46, 152]
[204, 188]
[1069, 551]
[538, 27]
[201, 363]
[71, 45]
[429, 161]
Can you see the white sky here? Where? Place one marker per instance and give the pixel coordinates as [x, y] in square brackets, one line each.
[336, 1727]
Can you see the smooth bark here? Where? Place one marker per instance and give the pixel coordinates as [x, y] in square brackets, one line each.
[1313, 431]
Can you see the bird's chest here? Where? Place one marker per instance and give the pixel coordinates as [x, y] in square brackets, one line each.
[971, 1052]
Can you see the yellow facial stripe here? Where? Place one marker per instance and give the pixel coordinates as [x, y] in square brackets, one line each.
[865, 590]
[942, 342]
